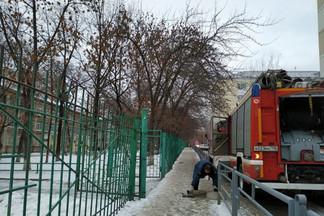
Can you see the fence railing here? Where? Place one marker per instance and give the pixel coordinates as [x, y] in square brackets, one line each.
[162, 151]
[203, 155]
[85, 159]
[296, 206]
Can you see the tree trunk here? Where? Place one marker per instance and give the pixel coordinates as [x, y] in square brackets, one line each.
[95, 131]
[1, 134]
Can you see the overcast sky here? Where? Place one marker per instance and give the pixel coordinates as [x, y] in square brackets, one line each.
[295, 37]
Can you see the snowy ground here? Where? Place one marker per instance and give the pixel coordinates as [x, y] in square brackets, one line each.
[32, 201]
[163, 197]
[166, 196]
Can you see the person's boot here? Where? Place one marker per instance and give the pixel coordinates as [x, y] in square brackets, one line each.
[195, 192]
[192, 191]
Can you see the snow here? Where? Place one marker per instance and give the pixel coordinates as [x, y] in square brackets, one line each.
[165, 197]
[19, 176]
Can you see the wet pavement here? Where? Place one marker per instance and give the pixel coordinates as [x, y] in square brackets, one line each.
[167, 198]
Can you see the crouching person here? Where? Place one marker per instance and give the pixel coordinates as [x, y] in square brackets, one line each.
[203, 168]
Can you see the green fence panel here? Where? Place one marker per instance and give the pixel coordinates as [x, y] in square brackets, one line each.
[154, 138]
[163, 146]
[173, 148]
[92, 174]
[100, 163]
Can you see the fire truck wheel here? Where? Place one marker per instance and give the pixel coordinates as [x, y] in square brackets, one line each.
[240, 180]
[246, 187]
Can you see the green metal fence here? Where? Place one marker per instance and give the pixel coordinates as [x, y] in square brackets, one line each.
[158, 151]
[173, 148]
[95, 172]
[154, 154]
[162, 151]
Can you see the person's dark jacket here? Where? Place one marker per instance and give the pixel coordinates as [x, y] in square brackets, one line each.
[199, 172]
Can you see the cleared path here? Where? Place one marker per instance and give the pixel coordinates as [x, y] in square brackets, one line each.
[166, 198]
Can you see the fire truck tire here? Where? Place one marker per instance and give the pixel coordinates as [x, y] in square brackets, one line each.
[240, 182]
[246, 187]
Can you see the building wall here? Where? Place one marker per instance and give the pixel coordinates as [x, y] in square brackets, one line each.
[7, 138]
[320, 6]
[236, 94]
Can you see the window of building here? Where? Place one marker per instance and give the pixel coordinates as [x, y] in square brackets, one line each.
[241, 85]
[38, 126]
[9, 140]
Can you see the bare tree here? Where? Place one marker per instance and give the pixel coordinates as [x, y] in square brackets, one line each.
[103, 55]
[180, 68]
[21, 29]
[66, 43]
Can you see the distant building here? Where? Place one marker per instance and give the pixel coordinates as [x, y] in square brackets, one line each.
[7, 137]
[320, 6]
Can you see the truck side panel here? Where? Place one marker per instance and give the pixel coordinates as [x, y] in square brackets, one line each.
[247, 128]
[269, 134]
[233, 133]
[240, 128]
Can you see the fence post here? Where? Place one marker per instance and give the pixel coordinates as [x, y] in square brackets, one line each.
[219, 176]
[163, 155]
[80, 145]
[234, 194]
[111, 151]
[219, 182]
[133, 161]
[143, 155]
[300, 208]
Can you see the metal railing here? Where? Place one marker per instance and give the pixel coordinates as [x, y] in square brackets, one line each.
[297, 206]
[85, 160]
[154, 154]
[162, 151]
[203, 155]
[91, 173]
[158, 152]
[173, 148]
[34, 166]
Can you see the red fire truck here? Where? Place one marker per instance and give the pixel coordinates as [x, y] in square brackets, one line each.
[276, 133]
